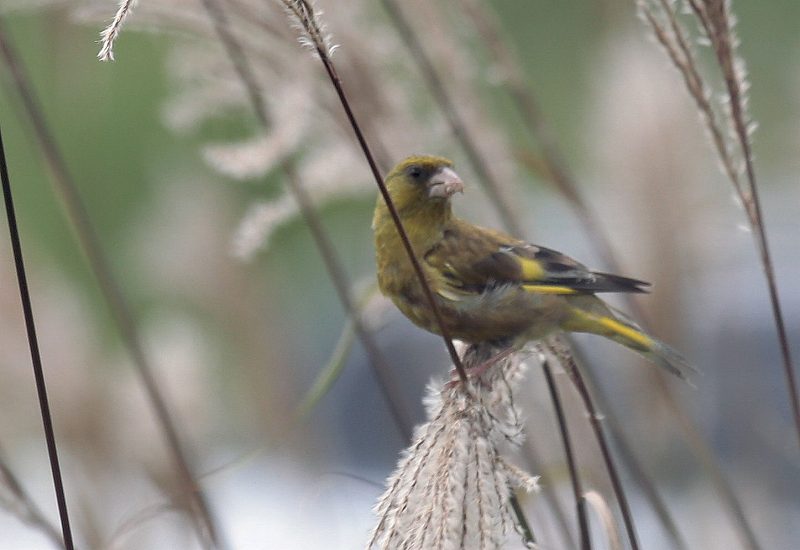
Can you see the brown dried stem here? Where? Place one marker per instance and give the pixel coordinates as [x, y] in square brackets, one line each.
[333, 263]
[78, 217]
[723, 41]
[548, 493]
[36, 359]
[306, 16]
[527, 105]
[439, 91]
[563, 353]
[575, 479]
[633, 466]
[559, 174]
[715, 22]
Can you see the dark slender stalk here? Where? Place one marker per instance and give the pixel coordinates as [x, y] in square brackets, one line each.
[769, 272]
[726, 61]
[577, 487]
[307, 20]
[564, 355]
[454, 119]
[334, 78]
[331, 259]
[536, 465]
[532, 118]
[633, 466]
[555, 164]
[33, 343]
[120, 310]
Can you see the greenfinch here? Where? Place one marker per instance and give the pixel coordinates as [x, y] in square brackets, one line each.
[489, 286]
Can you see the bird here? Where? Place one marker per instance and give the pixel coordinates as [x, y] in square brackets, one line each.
[490, 287]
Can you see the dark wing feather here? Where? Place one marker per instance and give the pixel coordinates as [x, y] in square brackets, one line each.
[472, 259]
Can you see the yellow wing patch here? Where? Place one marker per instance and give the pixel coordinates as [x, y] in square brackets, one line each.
[531, 270]
[549, 289]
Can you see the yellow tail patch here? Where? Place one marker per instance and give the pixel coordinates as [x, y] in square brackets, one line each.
[589, 322]
[624, 330]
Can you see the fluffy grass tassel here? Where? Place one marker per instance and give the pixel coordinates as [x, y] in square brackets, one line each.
[451, 487]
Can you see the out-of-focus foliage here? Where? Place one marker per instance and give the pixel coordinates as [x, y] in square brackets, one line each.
[150, 140]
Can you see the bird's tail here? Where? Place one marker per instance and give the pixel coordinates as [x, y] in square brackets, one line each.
[599, 319]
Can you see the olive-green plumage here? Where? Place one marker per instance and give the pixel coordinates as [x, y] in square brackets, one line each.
[489, 286]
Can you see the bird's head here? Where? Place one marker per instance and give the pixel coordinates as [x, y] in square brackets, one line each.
[423, 179]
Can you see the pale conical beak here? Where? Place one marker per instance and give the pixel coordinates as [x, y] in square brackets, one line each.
[444, 184]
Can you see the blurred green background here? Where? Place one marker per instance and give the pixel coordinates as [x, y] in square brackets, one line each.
[237, 343]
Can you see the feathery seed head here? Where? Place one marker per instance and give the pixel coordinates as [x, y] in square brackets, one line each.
[451, 487]
[110, 33]
[313, 31]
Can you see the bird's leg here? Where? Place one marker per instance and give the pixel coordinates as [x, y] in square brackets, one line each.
[478, 370]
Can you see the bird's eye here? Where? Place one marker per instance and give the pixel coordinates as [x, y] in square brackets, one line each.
[415, 172]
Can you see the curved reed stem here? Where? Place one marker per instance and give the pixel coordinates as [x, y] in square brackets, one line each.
[78, 217]
[564, 354]
[437, 88]
[306, 17]
[36, 359]
[575, 479]
[333, 263]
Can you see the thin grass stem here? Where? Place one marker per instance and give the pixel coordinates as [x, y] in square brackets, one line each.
[531, 115]
[723, 46]
[80, 221]
[715, 21]
[306, 16]
[522, 520]
[577, 486]
[459, 128]
[329, 373]
[565, 356]
[556, 165]
[633, 465]
[36, 359]
[333, 263]
[527, 106]
[536, 465]
[603, 511]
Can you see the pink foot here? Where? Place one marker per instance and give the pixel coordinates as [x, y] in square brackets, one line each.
[478, 370]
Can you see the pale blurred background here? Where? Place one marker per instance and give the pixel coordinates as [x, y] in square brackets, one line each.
[236, 342]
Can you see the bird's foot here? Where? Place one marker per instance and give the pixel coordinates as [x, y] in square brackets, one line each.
[478, 370]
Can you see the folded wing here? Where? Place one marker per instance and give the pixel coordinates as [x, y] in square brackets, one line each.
[471, 259]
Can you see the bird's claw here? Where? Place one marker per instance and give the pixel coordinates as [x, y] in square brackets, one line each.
[477, 371]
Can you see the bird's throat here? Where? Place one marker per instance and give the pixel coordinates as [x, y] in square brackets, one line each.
[422, 223]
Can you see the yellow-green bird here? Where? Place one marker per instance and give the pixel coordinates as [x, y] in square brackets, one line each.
[489, 286]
